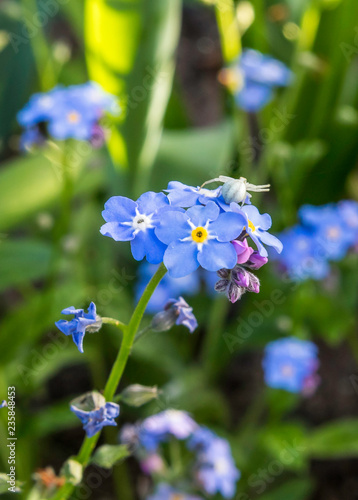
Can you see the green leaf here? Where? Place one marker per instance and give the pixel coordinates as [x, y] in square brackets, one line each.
[297, 489]
[108, 455]
[130, 52]
[4, 485]
[22, 261]
[194, 154]
[286, 443]
[334, 440]
[73, 471]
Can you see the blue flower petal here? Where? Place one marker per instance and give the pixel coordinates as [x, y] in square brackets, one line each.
[228, 226]
[253, 96]
[173, 226]
[271, 240]
[216, 255]
[119, 209]
[117, 231]
[200, 215]
[180, 258]
[150, 202]
[146, 244]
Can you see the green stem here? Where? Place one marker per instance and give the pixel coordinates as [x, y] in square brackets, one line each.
[114, 322]
[129, 332]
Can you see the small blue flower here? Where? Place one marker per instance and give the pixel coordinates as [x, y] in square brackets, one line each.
[79, 324]
[166, 492]
[3, 404]
[135, 221]
[289, 363]
[199, 236]
[302, 256]
[72, 112]
[256, 227]
[260, 74]
[176, 311]
[332, 233]
[98, 416]
[158, 428]
[216, 470]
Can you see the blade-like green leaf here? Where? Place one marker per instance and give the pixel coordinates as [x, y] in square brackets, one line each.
[130, 52]
[334, 440]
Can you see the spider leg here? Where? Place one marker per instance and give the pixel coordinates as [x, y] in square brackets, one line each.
[258, 189]
[217, 179]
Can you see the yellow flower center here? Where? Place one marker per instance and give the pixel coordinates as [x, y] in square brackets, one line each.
[73, 117]
[199, 234]
[176, 496]
[251, 226]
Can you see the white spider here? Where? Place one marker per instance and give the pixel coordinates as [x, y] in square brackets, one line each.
[235, 190]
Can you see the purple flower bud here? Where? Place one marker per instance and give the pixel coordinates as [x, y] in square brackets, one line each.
[235, 282]
[243, 251]
[256, 261]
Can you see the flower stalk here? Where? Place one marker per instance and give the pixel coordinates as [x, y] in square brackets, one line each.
[129, 333]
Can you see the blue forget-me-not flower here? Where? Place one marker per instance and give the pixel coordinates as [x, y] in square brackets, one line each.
[81, 323]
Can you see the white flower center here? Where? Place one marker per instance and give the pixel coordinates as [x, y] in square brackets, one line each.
[142, 222]
[221, 466]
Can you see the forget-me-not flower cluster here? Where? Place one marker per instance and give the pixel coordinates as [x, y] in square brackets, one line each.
[66, 112]
[191, 228]
[214, 470]
[325, 233]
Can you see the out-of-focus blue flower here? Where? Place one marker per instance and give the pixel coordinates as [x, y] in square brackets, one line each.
[94, 420]
[30, 137]
[40, 107]
[166, 492]
[301, 255]
[259, 75]
[3, 404]
[332, 234]
[158, 428]
[79, 324]
[135, 221]
[216, 470]
[256, 227]
[289, 363]
[72, 112]
[176, 311]
[199, 236]
[348, 210]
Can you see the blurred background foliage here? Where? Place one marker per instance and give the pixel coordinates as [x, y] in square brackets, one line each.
[161, 58]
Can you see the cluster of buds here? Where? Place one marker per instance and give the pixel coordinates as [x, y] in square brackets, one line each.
[235, 282]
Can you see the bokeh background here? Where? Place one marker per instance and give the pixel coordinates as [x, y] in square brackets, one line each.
[178, 122]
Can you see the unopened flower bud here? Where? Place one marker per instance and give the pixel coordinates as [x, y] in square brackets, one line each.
[138, 395]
